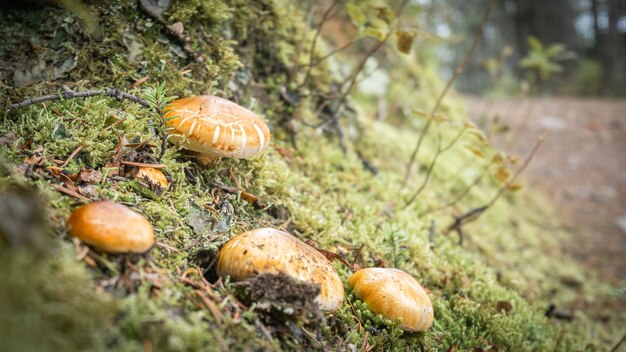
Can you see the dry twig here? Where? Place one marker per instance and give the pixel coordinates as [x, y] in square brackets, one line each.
[473, 214]
[457, 70]
[68, 94]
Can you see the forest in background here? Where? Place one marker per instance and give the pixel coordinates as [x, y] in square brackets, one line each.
[593, 31]
[347, 89]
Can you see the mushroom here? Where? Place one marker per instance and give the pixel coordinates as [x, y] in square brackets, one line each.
[111, 227]
[394, 294]
[215, 127]
[155, 176]
[272, 251]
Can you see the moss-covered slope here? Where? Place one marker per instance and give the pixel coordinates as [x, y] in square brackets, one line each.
[491, 293]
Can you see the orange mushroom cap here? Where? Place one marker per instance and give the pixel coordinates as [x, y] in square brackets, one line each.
[111, 227]
[216, 127]
[156, 176]
[394, 294]
[272, 251]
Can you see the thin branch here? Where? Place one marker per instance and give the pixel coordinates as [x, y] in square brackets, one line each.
[428, 173]
[530, 156]
[473, 214]
[458, 69]
[296, 56]
[367, 75]
[68, 94]
[456, 199]
[434, 162]
[431, 234]
[336, 51]
[315, 37]
[333, 120]
[619, 343]
[359, 68]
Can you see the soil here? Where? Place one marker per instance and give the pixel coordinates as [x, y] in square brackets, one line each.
[581, 167]
[280, 297]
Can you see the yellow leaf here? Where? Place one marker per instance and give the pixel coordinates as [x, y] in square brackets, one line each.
[356, 15]
[502, 174]
[479, 135]
[469, 125]
[375, 33]
[476, 152]
[497, 159]
[514, 187]
[386, 14]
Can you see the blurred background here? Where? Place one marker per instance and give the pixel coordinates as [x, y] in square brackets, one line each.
[554, 66]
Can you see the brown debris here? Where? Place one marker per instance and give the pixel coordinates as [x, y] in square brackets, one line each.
[280, 298]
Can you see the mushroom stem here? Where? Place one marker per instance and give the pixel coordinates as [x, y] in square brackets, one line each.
[207, 160]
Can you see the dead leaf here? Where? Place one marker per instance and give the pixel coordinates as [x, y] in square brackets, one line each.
[36, 158]
[514, 187]
[89, 191]
[476, 152]
[90, 176]
[502, 174]
[497, 159]
[404, 41]
[8, 139]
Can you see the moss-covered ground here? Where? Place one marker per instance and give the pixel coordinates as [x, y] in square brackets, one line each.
[492, 293]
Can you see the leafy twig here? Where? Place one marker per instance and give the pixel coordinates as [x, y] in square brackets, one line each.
[457, 70]
[473, 214]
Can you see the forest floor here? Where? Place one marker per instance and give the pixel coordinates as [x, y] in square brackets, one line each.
[581, 167]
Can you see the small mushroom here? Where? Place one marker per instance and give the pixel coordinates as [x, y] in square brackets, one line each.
[111, 227]
[394, 294]
[215, 127]
[272, 251]
[155, 176]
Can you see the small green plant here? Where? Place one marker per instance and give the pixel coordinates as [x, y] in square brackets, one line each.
[544, 61]
[158, 99]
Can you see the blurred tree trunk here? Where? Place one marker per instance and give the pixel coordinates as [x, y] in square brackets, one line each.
[611, 47]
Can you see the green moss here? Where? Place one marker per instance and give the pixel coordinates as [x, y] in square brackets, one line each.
[327, 196]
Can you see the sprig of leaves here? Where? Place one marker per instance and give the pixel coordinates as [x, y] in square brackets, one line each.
[159, 102]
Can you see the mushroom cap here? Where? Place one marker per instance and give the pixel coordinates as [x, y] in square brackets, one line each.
[272, 251]
[111, 227]
[216, 127]
[156, 176]
[395, 295]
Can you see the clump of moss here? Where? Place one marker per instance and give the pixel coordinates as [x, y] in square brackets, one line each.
[163, 301]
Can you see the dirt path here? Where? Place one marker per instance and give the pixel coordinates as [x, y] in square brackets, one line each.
[581, 166]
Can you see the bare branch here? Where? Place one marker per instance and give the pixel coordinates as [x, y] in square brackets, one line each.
[315, 37]
[296, 56]
[473, 214]
[68, 94]
[334, 52]
[458, 69]
[434, 162]
[456, 199]
[619, 343]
